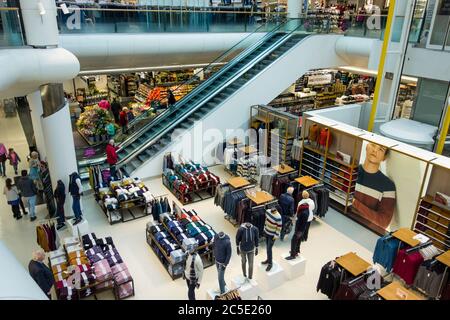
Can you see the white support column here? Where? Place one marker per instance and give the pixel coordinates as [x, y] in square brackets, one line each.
[36, 110]
[61, 155]
[39, 20]
[294, 8]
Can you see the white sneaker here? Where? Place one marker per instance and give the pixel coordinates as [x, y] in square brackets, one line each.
[252, 282]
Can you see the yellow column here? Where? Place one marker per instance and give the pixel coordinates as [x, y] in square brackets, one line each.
[376, 95]
[444, 131]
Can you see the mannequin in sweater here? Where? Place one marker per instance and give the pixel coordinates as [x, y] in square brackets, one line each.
[193, 273]
[300, 227]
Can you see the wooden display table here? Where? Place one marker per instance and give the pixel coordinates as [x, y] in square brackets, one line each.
[390, 292]
[248, 149]
[286, 169]
[307, 181]
[444, 258]
[260, 197]
[234, 141]
[406, 235]
[238, 182]
[353, 263]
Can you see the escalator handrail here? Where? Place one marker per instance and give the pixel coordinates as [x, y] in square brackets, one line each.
[153, 140]
[205, 84]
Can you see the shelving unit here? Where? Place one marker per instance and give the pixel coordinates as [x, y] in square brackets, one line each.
[163, 257]
[281, 130]
[323, 165]
[432, 217]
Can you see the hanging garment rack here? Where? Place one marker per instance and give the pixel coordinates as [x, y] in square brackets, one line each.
[420, 246]
[367, 273]
[43, 221]
[160, 196]
[244, 188]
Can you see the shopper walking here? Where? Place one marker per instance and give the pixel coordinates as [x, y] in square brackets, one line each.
[29, 191]
[222, 253]
[3, 157]
[287, 204]
[300, 227]
[193, 273]
[112, 158]
[76, 191]
[12, 196]
[123, 119]
[40, 273]
[115, 109]
[272, 229]
[60, 196]
[312, 206]
[14, 159]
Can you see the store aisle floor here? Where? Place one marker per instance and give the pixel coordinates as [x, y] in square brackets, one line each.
[326, 241]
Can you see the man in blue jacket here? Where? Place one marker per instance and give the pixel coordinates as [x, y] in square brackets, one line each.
[41, 273]
[222, 253]
[287, 204]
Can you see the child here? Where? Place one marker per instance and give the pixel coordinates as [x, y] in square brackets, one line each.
[13, 159]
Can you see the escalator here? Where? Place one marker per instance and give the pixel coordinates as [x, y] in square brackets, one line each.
[196, 105]
[262, 48]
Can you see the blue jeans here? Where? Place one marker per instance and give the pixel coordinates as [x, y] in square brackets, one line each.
[31, 201]
[221, 273]
[76, 207]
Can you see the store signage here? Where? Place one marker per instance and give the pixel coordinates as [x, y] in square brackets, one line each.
[445, 8]
[319, 79]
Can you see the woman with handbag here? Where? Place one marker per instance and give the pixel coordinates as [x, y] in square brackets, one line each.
[12, 196]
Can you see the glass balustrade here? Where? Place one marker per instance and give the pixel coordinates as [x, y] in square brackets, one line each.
[10, 29]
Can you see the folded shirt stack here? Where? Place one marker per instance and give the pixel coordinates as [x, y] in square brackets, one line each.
[88, 240]
[125, 290]
[66, 292]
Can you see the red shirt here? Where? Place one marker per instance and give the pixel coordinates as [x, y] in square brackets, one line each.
[123, 118]
[111, 154]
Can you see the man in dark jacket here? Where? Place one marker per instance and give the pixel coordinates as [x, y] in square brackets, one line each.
[116, 108]
[222, 253]
[41, 273]
[300, 227]
[287, 204]
[28, 190]
[247, 241]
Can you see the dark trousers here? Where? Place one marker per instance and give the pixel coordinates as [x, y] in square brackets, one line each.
[286, 226]
[16, 210]
[3, 168]
[295, 242]
[191, 289]
[125, 129]
[269, 244]
[112, 170]
[60, 212]
[15, 168]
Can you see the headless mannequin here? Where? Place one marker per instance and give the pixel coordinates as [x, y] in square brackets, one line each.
[247, 240]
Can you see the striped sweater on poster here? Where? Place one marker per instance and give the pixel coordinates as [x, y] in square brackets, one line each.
[273, 224]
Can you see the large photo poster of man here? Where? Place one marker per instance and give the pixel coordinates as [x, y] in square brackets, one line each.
[375, 192]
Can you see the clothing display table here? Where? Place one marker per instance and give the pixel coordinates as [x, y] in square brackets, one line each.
[234, 141]
[260, 197]
[248, 290]
[78, 230]
[444, 258]
[272, 279]
[294, 268]
[396, 291]
[307, 181]
[248, 149]
[353, 263]
[284, 169]
[407, 236]
[238, 182]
